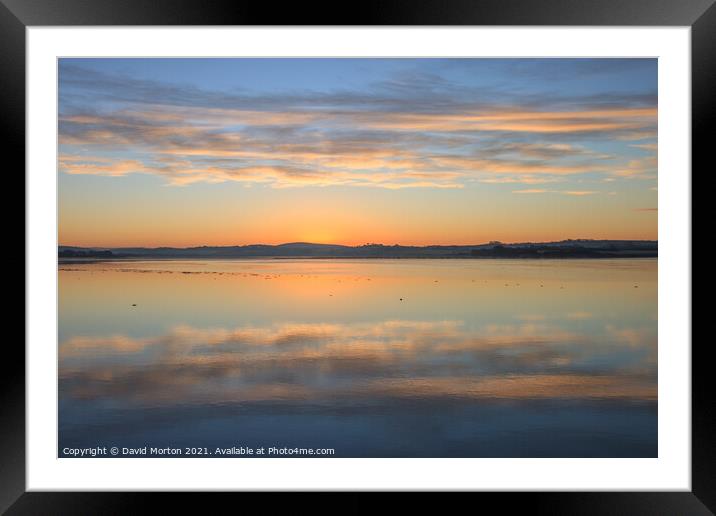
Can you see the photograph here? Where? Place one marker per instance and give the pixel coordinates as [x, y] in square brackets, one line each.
[357, 257]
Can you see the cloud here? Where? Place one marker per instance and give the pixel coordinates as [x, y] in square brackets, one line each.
[180, 173]
[522, 179]
[589, 121]
[530, 191]
[645, 168]
[577, 193]
[415, 130]
[645, 146]
[404, 91]
[102, 166]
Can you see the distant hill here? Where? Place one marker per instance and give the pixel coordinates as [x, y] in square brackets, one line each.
[562, 249]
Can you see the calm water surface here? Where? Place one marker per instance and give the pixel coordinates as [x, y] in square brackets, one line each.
[374, 358]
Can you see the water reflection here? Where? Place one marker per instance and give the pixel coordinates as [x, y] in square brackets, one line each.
[358, 361]
[513, 368]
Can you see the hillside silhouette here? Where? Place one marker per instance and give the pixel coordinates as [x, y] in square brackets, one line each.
[561, 249]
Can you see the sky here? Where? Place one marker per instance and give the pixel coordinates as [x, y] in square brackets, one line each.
[190, 152]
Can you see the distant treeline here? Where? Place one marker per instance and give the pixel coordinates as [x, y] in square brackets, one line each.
[89, 253]
[501, 251]
[563, 249]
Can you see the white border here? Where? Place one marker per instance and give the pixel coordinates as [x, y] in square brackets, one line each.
[671, 471]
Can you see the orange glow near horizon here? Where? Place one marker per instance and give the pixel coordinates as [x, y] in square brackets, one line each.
[345, 228]
[388, 151]
[318, 236]
[315, 217]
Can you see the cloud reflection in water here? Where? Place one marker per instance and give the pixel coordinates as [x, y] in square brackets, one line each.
[359, 362]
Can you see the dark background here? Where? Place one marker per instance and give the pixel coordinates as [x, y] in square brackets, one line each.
[15, 15]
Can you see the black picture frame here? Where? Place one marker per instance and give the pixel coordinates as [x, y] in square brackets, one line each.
[17, 15]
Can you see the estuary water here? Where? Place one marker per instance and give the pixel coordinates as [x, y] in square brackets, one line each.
[368, 358]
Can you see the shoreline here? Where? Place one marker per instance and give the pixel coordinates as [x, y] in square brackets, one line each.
[80, 261]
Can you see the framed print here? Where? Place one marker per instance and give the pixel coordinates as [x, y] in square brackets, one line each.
[426, 248]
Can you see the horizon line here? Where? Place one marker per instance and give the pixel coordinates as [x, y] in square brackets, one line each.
[367, 244]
